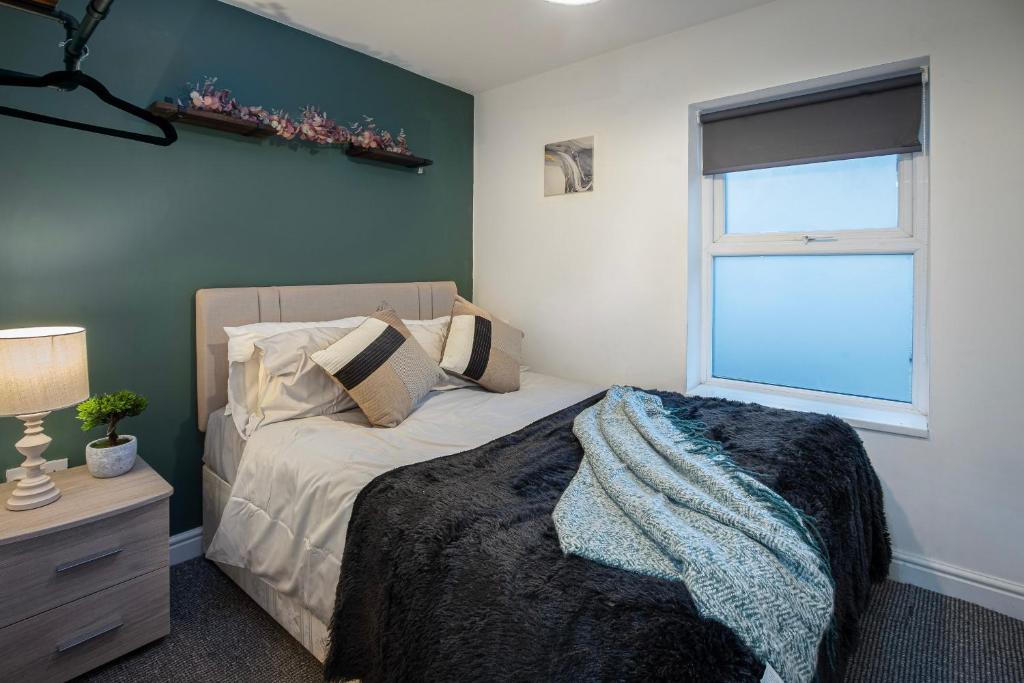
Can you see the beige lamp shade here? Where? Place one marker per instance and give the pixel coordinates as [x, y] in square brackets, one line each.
[42, 369]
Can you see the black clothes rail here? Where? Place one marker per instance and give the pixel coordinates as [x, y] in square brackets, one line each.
[71, 78]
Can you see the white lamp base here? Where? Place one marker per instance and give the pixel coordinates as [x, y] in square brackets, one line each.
[36, 489]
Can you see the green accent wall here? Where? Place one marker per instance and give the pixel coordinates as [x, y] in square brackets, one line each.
[117, 236]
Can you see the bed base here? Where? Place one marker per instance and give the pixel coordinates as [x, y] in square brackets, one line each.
[288, 612]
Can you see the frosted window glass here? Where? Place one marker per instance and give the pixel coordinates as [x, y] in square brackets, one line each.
[836, 323]
[851, 194]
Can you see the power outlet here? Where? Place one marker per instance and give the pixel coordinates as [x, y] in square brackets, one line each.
[16, 473]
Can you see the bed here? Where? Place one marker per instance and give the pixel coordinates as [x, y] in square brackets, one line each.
[288, 497]
[290, 599]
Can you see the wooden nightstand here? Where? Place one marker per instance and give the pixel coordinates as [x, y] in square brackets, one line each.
[85, 579]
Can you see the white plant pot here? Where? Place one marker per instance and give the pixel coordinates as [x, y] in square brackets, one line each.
[111, 462]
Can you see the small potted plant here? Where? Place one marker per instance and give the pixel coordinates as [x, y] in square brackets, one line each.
[114, 454]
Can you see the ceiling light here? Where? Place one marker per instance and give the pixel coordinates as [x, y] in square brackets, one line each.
[573, 2]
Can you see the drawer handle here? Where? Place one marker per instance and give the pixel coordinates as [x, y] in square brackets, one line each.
[78, 640]
[87, 559]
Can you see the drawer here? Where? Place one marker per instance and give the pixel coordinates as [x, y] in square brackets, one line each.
[69, 640]
[50, 570]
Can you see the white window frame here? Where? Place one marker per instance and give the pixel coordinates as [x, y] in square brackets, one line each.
[909, 237]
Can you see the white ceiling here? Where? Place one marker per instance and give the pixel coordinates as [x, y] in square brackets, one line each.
[475, 45]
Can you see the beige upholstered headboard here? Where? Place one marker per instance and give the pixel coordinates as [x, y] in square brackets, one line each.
[220, 308]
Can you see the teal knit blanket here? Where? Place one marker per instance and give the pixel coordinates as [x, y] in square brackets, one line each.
[654, 496]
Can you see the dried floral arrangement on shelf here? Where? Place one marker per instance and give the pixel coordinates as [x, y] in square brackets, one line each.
[312, 125]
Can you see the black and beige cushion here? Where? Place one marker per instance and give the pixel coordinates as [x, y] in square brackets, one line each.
[482, 348]
[382, 367]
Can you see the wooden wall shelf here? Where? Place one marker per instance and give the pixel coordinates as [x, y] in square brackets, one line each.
[229, 124]
[407, 160]
[208, 119]
[44, 7]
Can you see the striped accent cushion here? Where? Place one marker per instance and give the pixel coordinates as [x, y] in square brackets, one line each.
[382, 367]
[482, 348]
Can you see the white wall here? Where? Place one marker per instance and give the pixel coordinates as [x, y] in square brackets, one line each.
[598, 281]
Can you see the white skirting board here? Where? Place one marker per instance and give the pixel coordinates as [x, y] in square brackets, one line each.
[1005, 597]
[999, 595]
[187, 545]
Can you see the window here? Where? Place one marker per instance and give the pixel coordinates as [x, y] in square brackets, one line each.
[852, 194]
[812, 284]
[837, 323]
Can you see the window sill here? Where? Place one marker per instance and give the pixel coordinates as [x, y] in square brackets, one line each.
[896, 420]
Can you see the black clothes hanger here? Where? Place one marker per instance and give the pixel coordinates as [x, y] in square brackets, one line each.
[70, 78]
[63, 79]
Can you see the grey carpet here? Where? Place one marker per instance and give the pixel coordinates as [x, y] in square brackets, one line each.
[217, 634]
[909, 634]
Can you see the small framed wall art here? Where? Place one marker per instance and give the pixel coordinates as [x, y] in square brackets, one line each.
[569, 167]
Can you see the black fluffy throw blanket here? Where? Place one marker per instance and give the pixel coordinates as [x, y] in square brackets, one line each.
[453, 572]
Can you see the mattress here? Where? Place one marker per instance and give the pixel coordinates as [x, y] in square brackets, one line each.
[224, 445]
[292, 495]
[222, 452]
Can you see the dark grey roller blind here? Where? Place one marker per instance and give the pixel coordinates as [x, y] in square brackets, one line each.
[868, 119]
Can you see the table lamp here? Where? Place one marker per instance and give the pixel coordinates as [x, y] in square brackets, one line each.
[42, 369]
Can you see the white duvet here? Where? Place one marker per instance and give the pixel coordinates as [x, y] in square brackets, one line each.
[292, 498]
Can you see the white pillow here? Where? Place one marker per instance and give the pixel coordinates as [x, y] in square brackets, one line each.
[244, 365]
[431, 335]
[246, 376]
[291, 385]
